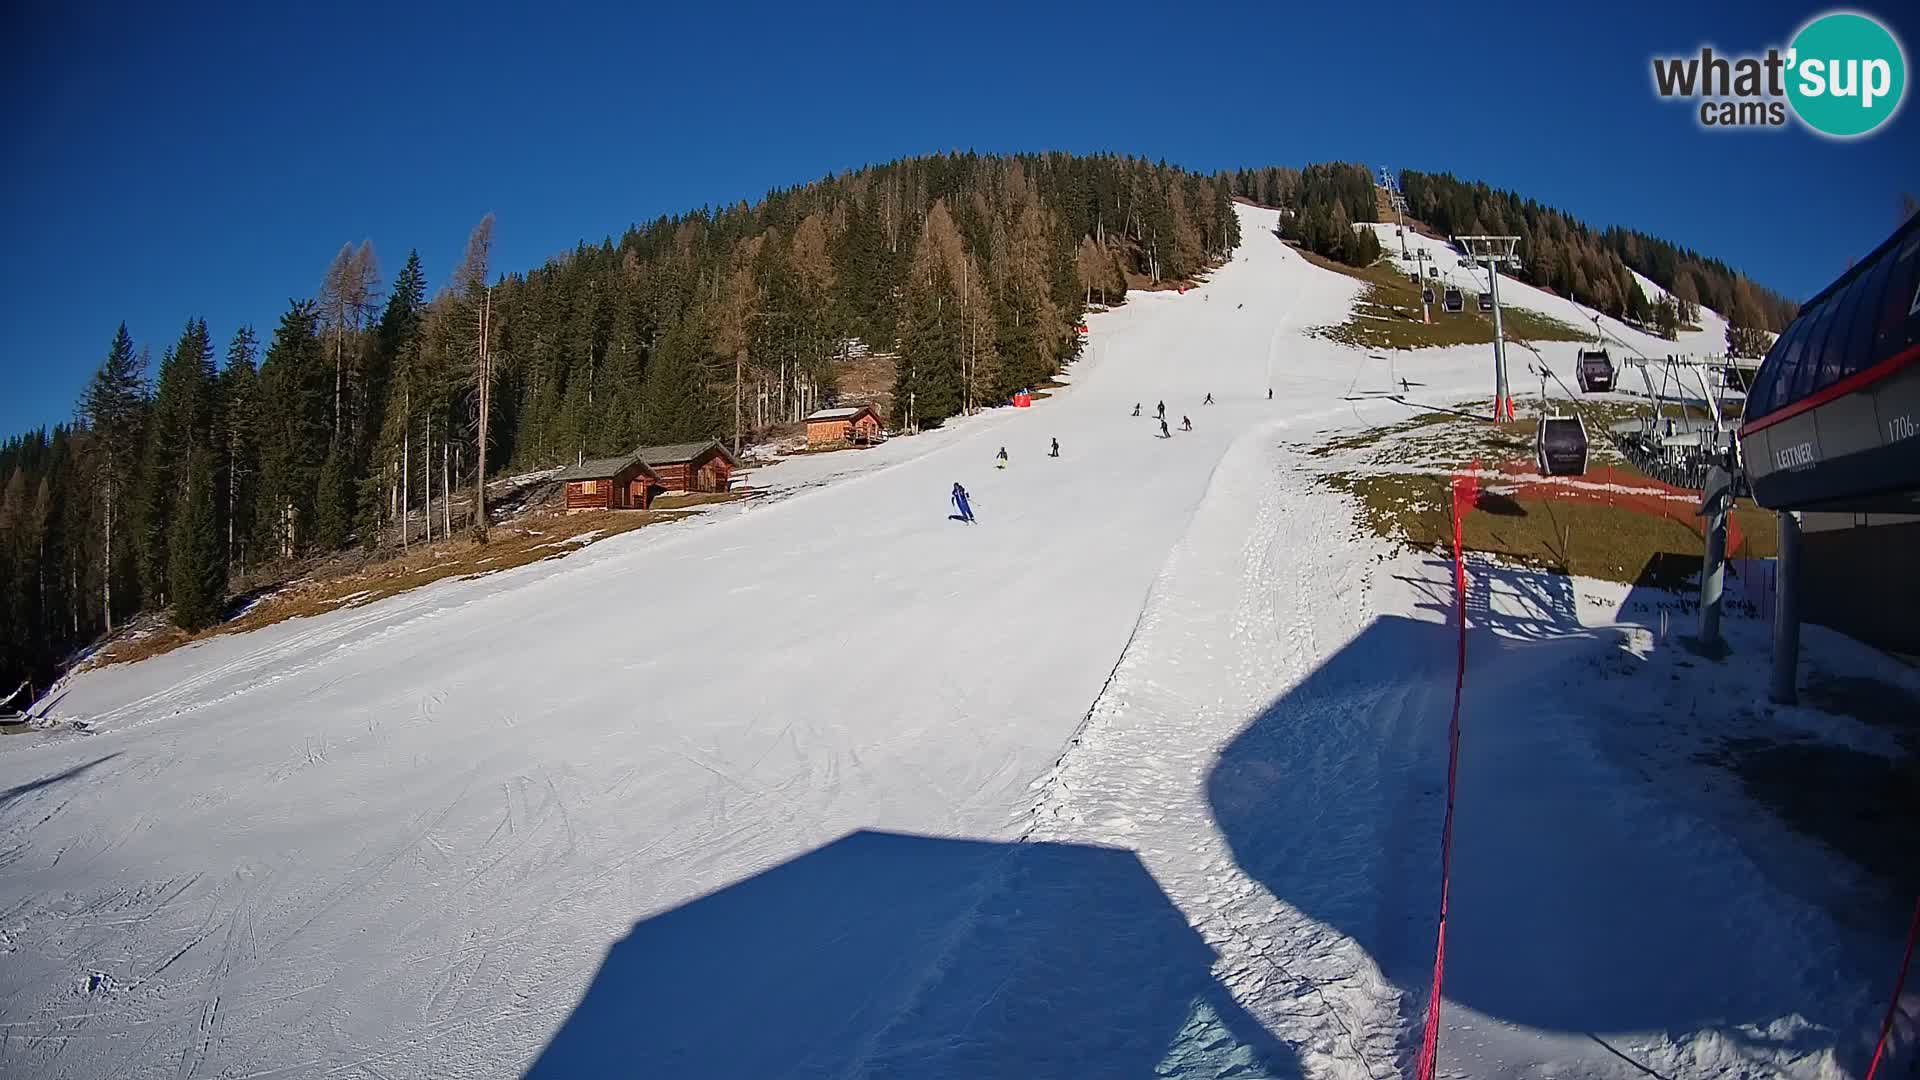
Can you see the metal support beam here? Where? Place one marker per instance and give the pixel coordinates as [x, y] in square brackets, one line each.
[1786, 614]
[1714, 505]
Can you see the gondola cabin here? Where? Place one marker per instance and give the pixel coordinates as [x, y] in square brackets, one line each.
[1486, 302]
[859, 426]
[1832, 421]
[691, 467]
[616, 483]
[1595, 371]
[1454, 300]
[1560, 445]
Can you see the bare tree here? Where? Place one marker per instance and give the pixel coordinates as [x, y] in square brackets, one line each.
[475, 297]
[346, 301]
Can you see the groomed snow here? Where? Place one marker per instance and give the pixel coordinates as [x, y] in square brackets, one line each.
[1137, 776]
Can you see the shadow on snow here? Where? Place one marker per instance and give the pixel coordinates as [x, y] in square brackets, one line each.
[1568, 913]
[901, 955]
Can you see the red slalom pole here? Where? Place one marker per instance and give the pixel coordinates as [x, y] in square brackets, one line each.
[1899, 984]
[1465, 494]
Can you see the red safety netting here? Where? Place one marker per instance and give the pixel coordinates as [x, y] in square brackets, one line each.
[1466, 492]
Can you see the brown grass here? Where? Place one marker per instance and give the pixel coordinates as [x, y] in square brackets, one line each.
[1590, 539]
[535, 538]
[1387, 315]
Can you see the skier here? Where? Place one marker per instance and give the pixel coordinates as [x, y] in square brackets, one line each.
[1000, 459]
[1136, 408]
[1209, 400]
[1163, 410]
[1186, 424]
[960, 503]
[1164, 433]
[1269, 393]
[1055, 452]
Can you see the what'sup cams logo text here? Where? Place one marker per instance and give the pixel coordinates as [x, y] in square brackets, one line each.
[1843, 75]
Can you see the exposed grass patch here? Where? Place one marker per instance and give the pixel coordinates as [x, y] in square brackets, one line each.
[1387, 315]
[1613, 543]
[520, 543]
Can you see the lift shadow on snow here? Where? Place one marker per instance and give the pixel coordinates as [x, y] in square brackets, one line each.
[1589, 904]
[885, 954]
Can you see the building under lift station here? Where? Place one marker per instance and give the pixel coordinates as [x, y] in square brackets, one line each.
[1831, 438]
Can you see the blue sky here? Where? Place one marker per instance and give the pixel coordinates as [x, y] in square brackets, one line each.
[165, 164]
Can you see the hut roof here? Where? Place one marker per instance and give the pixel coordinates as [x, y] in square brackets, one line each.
[678, 453]
[600, 468]
[839, 414]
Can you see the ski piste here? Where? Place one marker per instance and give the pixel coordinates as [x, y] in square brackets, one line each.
[1135, 779]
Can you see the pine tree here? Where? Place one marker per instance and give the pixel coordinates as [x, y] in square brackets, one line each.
[182, 418]
[295, 387]
[237, 447]
[1666, 318]
[114, 408]
[197, 574]
[331, 513]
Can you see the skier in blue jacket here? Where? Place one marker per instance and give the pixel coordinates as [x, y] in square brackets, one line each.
[960, 503]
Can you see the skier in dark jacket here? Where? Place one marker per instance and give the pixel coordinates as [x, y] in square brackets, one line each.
[1186, 424]
[1136, 408]
[1209, 400]
[1163, 410]
[1000, 459]
[1164, 433]
[1269, 393]
[1055, 452]
[960, 504]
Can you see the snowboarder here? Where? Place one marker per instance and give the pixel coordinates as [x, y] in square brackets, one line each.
[1055, 452]
[1186, 424]
[1164, 433]
[961, 504]
[1136, 408]
[1209, 400]
[1000, 459]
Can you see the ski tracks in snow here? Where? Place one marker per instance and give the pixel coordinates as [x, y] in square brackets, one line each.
[1137, 775]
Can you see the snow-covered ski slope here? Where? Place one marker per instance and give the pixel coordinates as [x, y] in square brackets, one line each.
[1135, 776]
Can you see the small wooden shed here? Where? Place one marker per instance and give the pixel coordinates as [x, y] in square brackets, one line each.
[696, 466]
[831, 427]
[615, 483]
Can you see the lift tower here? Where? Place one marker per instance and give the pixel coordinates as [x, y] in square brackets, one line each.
[1495, 252]
[1398, 202]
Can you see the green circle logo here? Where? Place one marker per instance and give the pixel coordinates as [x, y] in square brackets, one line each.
[1847, 74]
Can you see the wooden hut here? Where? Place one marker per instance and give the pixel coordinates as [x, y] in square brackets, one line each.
[696, 466]
[615, 483]
[831, 427]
